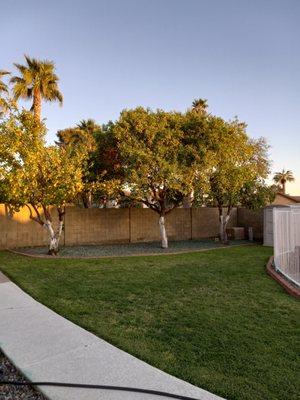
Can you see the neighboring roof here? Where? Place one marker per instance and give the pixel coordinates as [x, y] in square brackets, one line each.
[295, 199]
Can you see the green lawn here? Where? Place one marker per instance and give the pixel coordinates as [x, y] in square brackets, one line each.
[214, 318]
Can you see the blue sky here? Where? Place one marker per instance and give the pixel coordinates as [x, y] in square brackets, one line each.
[241, 55]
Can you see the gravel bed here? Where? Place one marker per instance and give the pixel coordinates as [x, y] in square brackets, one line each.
[9, 392]
[131, 248]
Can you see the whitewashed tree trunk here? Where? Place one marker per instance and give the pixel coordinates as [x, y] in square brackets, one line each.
[54, 236]
[60, 228]
[163, 233]
[223, 226]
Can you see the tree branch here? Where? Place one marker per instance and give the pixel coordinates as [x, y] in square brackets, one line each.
[47, 213]
[61, 212]
[38, 218]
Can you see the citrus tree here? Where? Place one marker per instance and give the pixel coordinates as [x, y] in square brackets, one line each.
[80, 140]
[239, 164]
[101, 162]
[161, 159]
[257, 194]
[36, 176]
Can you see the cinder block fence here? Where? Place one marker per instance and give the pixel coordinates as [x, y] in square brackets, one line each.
[100, 226]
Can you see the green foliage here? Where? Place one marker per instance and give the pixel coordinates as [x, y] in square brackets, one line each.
[107, 159]
[33, 173]
[90, 126]
[237, 161]
[76, 138]
[151, 157]
[161, 153]
[255, 195]
[101, 164]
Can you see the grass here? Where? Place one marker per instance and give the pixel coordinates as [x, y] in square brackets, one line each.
[214, 318]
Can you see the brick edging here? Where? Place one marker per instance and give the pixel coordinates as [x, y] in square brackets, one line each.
[291, 289]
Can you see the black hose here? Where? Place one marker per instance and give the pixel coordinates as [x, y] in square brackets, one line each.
[103, 387]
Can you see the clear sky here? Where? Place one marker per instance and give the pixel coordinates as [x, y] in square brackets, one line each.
[241, 55]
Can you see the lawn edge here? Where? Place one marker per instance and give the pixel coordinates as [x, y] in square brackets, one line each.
[287, 286]
[47, 257]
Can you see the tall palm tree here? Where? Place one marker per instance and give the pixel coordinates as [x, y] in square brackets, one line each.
[37, 81]
[3, 90]
[200, 106]
[283, 177]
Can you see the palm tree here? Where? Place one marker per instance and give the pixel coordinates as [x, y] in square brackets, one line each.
[283, 177]
[37, 81]
[200, 106]
[3, 89]
[74, 137]
[88, 125]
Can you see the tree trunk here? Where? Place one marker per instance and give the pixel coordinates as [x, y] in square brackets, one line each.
[37, 104]
[54, 236]
[87, 199]
[223, 226]
[163, 233]
[224, 222]
[188, 200]
[283, 186]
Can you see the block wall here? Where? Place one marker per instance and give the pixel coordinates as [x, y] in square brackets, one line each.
[100, 226]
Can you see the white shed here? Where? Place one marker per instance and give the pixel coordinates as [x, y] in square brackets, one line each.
[268, 224]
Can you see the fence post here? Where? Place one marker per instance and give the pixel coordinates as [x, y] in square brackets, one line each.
[191, 219]
[65, 219]
[129, 223]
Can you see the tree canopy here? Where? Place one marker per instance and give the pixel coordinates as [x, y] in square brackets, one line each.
[4, 102]
[237, 162]
[155, 158]
[164, 154]
[35, 175]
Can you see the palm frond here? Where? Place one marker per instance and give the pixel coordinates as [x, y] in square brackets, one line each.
[36, 77]
[3, 73]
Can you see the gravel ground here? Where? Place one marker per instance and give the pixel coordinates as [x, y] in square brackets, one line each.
[9, 392]
[131, 248]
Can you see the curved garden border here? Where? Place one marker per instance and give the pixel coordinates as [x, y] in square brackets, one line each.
[288, 286]
[124, 255]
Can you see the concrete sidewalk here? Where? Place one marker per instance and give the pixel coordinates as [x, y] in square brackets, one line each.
[47, 347]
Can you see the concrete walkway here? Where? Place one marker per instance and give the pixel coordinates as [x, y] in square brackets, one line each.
[47, 347]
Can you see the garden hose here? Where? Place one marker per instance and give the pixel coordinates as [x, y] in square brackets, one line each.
[103, 387]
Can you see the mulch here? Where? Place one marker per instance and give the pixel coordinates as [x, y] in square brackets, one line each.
[128, 249]
[9, 392]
